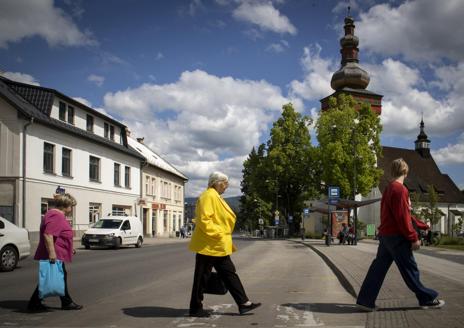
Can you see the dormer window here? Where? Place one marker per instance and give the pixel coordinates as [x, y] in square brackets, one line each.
[66, 113]
[62, 113]
[71, 115]
[107, 130]
[112, 132]
[89, 123]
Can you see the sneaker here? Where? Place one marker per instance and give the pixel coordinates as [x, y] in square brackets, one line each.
[367, 308]
[247, 308]
[435, 304]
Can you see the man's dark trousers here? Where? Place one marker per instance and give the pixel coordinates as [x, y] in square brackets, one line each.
[226, 271]
[398, 249]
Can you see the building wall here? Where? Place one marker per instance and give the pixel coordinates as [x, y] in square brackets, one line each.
[41, 185]
[164, 215]
[10, 161]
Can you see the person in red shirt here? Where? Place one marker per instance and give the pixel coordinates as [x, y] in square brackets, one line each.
[56, 243]
[397, 240]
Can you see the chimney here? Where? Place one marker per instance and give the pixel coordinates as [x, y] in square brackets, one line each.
[140, 140]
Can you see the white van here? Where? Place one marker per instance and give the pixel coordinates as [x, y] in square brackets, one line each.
[114, 231]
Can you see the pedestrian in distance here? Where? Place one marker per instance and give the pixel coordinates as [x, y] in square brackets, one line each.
[397, 241]
[56, 243]
[212, 243]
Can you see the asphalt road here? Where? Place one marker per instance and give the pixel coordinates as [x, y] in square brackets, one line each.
[150, 287]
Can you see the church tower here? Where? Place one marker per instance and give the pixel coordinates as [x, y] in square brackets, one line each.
[351, 79]
[422, 142]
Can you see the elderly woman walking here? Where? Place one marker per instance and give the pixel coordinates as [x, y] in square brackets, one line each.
[212, 241]
[56, 243]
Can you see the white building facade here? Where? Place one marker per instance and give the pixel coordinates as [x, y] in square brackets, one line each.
[49, 140]
[162, 196]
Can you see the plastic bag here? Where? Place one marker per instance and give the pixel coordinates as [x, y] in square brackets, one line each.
[51, 279]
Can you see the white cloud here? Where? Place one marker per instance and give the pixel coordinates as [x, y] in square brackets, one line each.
[97, 79]
[451, 154]
[20, 19]
[318, 72]
[20, 77]
[159, 56]
[278, 47]
[264, 15]
[407, 98]
[212, 121]
[418, 30]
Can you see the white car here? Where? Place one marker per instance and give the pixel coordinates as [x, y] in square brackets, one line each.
[114, 231]
[14, 245]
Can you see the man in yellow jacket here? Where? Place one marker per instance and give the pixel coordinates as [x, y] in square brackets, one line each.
[212, 241]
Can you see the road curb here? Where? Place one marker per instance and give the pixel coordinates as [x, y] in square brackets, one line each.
[338, 273]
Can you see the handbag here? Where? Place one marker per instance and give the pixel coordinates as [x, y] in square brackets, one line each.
[215, 285]
[51, 278]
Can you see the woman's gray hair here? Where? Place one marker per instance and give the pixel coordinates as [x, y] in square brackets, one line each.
[216, 177]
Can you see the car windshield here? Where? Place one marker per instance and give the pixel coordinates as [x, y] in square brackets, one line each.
[107, 224]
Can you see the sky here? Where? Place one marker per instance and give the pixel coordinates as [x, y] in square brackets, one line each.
[203, 80]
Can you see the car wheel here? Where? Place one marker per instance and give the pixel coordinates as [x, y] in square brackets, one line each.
[139, 242]
[117, 243]
[8, 258]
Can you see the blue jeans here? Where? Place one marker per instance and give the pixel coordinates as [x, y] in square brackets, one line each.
[398, 249]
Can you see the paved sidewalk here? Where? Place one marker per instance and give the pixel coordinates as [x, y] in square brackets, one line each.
[398, 305]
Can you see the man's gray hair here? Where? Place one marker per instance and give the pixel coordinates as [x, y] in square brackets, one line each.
[216, 177]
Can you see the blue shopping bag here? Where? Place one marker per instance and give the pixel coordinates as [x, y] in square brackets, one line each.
[51, 279]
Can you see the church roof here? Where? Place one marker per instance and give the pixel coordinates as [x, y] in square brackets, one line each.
[423, 171]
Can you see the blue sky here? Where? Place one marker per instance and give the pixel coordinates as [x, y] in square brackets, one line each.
[203, 81]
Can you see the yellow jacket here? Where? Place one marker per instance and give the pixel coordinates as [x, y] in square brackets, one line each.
[214, 223]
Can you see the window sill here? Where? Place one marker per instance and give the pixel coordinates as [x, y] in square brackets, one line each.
[117, 186]
[67, 177]
[95, 181]
[49, 173]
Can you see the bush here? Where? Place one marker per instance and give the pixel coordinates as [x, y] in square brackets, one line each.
[445, 240]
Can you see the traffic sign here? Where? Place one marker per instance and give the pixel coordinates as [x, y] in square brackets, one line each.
[334, 192]
[306, 211]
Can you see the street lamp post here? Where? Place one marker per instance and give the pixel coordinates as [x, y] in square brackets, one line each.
[355, 213]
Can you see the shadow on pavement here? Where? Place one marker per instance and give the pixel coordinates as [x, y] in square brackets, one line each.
[155, 311]
[324, 307]
[165, 312]
[16, 306]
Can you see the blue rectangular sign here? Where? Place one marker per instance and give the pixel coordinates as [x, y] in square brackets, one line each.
[334, 192]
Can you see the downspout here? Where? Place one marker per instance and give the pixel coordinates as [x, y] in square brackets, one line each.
[142, 165]
[24, 171]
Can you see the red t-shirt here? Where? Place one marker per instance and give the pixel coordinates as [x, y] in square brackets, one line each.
[54, 223]
[395, 218]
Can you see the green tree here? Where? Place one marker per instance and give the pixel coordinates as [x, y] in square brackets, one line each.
[291, 158]
[431, 212]
[349, 145]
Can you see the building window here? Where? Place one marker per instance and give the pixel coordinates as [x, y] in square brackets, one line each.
[94, 168]
[89, 123]
[94, 212]
[119, 210]
[48, 158]
[112, 132]
[117, 174]
[66, 162]
[127, 177]
[153, 186]
[71, 115]
[147, 185]
[62, 113]
[165, 220]
[107, 129]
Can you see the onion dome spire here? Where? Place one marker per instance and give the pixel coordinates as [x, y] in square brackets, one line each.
[350, 75]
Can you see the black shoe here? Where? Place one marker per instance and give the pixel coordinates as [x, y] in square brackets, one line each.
[247, 308]
[435, 304]
[200, 314]
[39, 307]
[71, 306]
